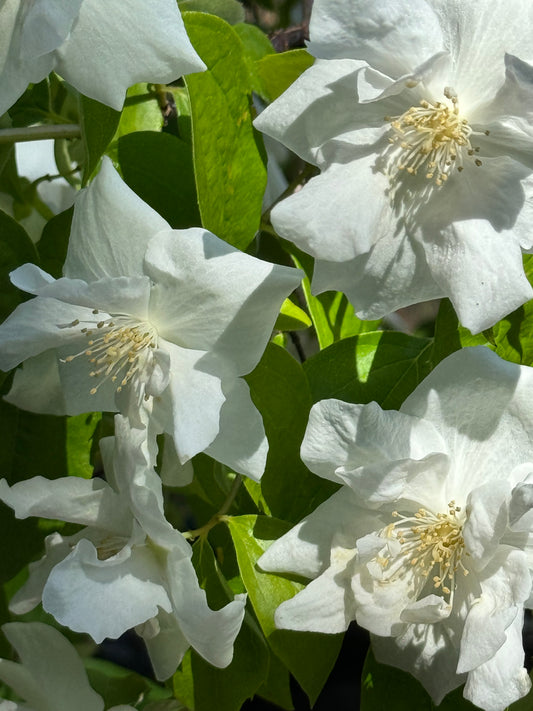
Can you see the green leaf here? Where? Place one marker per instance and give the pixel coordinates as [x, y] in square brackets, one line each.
[249, 668]
[276, 688]
[384, 687]
[53, 244]
[118, 685]
[228, 155]
[256, 46]
[33, 106]
[332, 314]
[334, 318]
[159, 168]
[28, 538]
[450, 336]
[513, 335]
[81, 430]
[524, 704]
[279, 71]
[280, 391]
[98, 124]
[141, 111]
[16, 248]
[229, 10]
[384, 366]
[292, 318]
[183, 682]
[308, 656]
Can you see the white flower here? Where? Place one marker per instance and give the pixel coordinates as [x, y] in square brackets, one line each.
[50, 675]
[101, 47]
[428, 543]
[128, 566]
[148, 314]
[419, 114]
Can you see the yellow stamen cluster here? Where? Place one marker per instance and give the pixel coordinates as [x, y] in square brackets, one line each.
[117, 348]
[432, 137]
[431, 544]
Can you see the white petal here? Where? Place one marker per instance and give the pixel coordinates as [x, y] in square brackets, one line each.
[342, 436]
[327, 88]
[30, 594]
[521, 504]
[46, 25]
[118, 295]
[393, 36]
[325, 220]
[189, 409]
[505, 585]
[503, 679]
[324, 605]
[473, 251]
[487, 520]
[478, 34]
[427, 610]
[17, 67]
[210, 632]
[306, 549]
[241, 443]
[392, 275]
[104, 598]
[138, 483]
[34, 327]
[173, 472]
[37, 386]
[509, 116]
[166, 645]
[83, 501]
[481, 406]
[379, 606]
[50, 675]
[210, 296]
[427, 652]
[113, 46]
[111, 228]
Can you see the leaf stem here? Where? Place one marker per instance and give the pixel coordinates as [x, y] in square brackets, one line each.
[221, 514]
[38, 133]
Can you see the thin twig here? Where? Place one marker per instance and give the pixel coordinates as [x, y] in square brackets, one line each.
[221, 515]
[38, 133]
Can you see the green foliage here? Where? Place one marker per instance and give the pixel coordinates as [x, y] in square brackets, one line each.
[53, 244]
[384, 366]
[256, 46]
[385, 688]
[229, 10]
[141, 111]
[309, 657]
[332, 314]
[280, 391]
[450, 336]
[292, 318]
[279, 71]
[159, 168]
[118, 685]
[98, 123]
[227, 152]
[16, 248]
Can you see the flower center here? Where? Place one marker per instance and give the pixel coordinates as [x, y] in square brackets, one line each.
[430, 137]
[119, 349]
[430, 544]
[110, 546]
